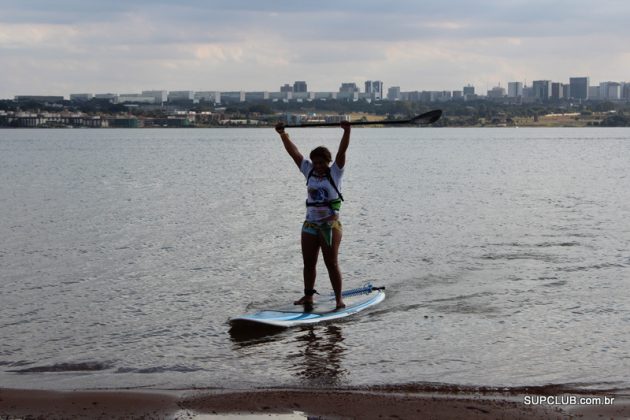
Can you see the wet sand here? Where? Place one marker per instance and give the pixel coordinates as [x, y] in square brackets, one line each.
[120, 404]
[329, 404]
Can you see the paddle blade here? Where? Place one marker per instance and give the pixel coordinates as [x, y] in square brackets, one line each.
[428, 117]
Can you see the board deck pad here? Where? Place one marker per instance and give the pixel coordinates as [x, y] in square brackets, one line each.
[323, 309]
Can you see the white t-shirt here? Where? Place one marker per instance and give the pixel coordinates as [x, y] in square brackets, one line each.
[320, 190]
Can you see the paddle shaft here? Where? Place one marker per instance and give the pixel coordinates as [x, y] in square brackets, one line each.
[385, 122]
[426, 118]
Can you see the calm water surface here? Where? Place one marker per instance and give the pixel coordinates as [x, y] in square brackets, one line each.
[123, 253]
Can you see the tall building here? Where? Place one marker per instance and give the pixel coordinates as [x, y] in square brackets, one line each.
[610, 90]
[515, 89]
[286, 88]
[108, 96]
[496, 92]
[300, 86]
[208, 97]
[542, 89]
[181, 95]
[393, 93]
[374, 89]
[566, 90]
[238, 96]
[349, 88]
[578, 87]
[348, 92]
[160, 96]
[256, 96]
[469, 90]
[137, 98]
[557, 91]
[81, 97]
[444, 95]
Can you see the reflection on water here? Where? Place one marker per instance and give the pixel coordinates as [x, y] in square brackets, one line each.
[317, 351]
[244, 336]
[319, 360]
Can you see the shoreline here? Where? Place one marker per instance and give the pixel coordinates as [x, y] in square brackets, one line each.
[362, 403]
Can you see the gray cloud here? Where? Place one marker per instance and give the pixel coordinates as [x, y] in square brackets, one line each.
[245, 42]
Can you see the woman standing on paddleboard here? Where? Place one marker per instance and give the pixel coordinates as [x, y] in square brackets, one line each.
[322, 228]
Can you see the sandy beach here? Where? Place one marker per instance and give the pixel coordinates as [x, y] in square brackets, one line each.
[326, 403]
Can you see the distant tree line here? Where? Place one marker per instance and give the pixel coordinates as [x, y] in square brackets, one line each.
[620, 120]
[456, 113]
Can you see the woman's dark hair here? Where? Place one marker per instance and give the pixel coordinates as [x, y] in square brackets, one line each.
[321, 152]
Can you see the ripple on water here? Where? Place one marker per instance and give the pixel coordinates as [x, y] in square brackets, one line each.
[67, 367]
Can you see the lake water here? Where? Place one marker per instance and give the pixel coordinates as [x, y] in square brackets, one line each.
[505, 253]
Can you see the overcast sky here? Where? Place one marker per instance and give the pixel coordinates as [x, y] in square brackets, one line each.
[124, 46]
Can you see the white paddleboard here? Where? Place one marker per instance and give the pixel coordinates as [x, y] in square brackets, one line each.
[323, 309]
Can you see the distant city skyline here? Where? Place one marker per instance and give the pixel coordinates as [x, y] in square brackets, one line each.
[576, 87]
[66, 46]
[368, 86]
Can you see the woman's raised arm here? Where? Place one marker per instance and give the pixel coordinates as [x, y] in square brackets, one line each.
[340, 159]
[289, 146]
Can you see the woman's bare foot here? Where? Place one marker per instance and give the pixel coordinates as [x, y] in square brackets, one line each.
[305, 300]
[340, 304]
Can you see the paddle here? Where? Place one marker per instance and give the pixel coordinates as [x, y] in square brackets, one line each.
[426, 118]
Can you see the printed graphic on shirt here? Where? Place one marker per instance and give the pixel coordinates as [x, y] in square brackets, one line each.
[317, 195]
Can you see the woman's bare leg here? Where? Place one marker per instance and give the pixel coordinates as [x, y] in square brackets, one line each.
[332, 264]
[310, 252]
